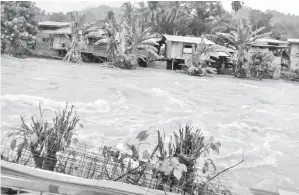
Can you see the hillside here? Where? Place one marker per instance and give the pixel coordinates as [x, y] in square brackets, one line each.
[277, 16]
[99, 13]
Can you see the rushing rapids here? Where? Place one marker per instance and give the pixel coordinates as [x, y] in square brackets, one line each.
[114, 104]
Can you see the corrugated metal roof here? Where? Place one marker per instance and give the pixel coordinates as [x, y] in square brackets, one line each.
[54, 24]
[293, 40]
[265, 45]
[270, 41]
[65, 30]
[222, 53]
[185, 39]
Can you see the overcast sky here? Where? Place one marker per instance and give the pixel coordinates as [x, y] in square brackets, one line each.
[285, 6]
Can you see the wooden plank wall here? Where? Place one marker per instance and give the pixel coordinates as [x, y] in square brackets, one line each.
[294, 57]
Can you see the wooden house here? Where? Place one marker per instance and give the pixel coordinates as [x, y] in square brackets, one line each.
[275, 46]
[52, 39]
[94, 32]
[294, 54]
[178, 48]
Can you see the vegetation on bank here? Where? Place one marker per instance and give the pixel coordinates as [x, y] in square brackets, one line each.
[18, 27]
[182, 164]
[130, 39]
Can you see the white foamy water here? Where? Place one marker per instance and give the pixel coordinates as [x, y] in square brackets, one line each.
[113, 104]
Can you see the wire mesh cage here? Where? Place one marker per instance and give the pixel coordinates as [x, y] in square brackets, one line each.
[82, 160]
[106, 163]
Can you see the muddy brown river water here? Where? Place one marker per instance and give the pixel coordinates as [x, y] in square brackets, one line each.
[113, 104]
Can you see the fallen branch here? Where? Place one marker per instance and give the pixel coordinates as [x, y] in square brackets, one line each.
[242, 160]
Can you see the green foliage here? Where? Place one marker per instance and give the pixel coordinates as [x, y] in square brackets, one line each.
[74, 51]
[260, 19]
[46, 138]
[18, 26]
[237, 5]
[241, 40]
[199, 62]
[262, 64]
[178, 159]
[290, 76]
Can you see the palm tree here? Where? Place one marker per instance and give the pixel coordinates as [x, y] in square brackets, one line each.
[173, 10]
[153, 12]
[74, 52]
[241, 40]
[129, 13]
[237, 5]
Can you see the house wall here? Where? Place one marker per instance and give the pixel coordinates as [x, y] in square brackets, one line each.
[294, 57]
[100, 50]
[176, 50]
[167, 50]
[58, 40]
[87, 47]
[43, 48]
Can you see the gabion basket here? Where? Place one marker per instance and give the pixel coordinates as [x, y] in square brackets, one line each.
[81, 160]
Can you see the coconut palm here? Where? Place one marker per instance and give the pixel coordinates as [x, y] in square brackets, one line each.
[241, 40]
[173, 10]
[129, 13]
[153, 12]
[74, 52]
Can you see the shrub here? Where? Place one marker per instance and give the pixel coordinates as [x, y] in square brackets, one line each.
[18, 25]
[47, 138]
[261, 65]
[125, 61]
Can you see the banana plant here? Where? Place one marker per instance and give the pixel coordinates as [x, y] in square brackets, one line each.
[241, 40]
[74, 51]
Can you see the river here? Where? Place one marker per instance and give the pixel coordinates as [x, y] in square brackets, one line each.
[114, 104]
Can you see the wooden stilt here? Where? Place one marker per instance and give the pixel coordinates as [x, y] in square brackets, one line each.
[172, 64]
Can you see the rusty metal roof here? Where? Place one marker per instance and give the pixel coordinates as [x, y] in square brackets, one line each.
[185, 39]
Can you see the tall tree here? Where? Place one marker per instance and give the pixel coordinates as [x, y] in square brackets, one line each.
[203, 13]
[259, 19]
[153, 12]
[237, 5]
[18, 25]
[129, 13]
[58, 17]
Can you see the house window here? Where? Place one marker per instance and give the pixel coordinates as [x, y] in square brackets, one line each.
[51, 44]
[45, 39]
[62, 44]
[187, 48]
